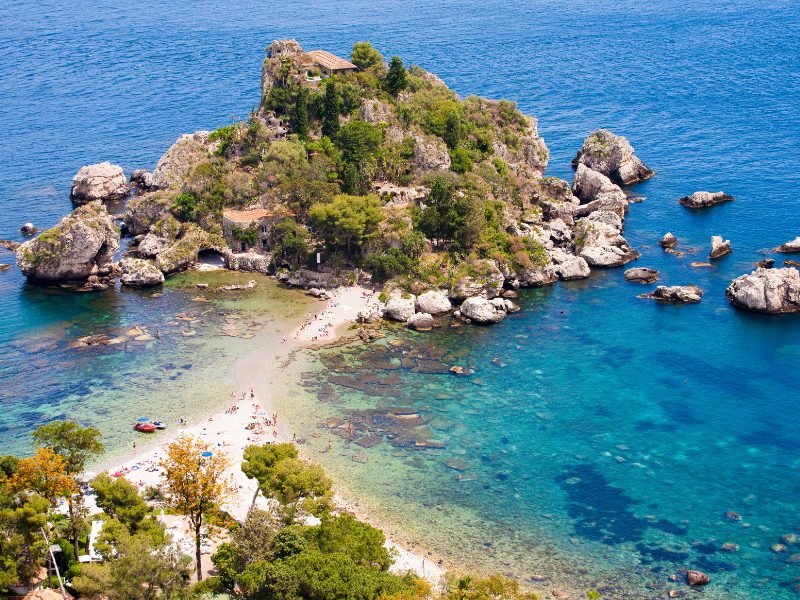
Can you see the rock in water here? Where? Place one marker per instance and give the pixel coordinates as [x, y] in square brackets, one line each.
[480, 310]
[788, 247]
[677, 293]
[102, 181]
[668, 241]
[81, 246]
[695, 578]
[28, 229]
[434, 302]
[399, 306]
[612, 155]
[421, 322]
[137, 272]
[772, 291]
[600, 243]
[719, 248]
[589, 185]
[641, 275]
[704, 199]
[767, 263]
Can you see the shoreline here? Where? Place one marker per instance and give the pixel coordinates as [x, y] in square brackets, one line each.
[256, 377]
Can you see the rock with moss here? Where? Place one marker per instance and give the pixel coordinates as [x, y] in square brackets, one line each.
[601, 243]
[525, 153]
[102, 181]
[478, 278]
[554, 197]
[612, 155]
[375, 112]
[142, 212]
[430, 154]
[136, 272]
[281, 53]
[184, 251]
[81, 246]
[399, 306]
[773, 291]
[185, 154]
[161, 236]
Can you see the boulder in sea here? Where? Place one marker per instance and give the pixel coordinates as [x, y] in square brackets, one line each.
[767, 263]
[592, 186]
[81, 246]
[434, 302]
[102, 181]
[772, 291]
[9, 245]
[668, 241]
[483, 311]
[612, 155]
[568, 266]
[399, 306]
[705, 199]
[719, 247]
[789, 247]
[421, 321]
[696, 578]
[601, 244]
[28, 229]
[137, 272]
[641, 275]
[4, 267]
[677, 293]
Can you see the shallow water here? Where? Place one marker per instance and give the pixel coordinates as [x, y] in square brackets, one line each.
[620, 431]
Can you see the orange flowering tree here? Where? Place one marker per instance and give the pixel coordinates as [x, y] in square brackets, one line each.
[195, 483]
[44, 473]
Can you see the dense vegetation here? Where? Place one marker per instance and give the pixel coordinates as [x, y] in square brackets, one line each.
[272, 555]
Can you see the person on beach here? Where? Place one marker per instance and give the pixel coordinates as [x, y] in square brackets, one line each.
[252, 394]
[134, 446]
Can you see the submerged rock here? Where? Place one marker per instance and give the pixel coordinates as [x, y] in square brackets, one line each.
[668, 241]
[102, 181]
[137, 272]
[677, 293]
[704, 199]
[719, 247]
[641, 275]
[772, 291]
[695, 578]
[81, 246]
[9, 245]
[789, 247]
[612, 155]
[4, 267]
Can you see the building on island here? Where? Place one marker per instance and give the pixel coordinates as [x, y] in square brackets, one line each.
[321, 61]
[330, 64]
[251, 230]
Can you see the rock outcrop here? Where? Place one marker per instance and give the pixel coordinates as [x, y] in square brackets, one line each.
[136, 272]
[705, 199]
[482, 310]
[81, 246]
[590, 186]
[641, 275]
[601, 243]
[568, 266]
[434, 302]
[146, 210]
[789, 247]
[772, 291]
[421, 321]
[399, 306]
[251, 261]
[485, 280]
[430, 154]
[185, 250]
[677, 293]
[102, 181]
[612, 155]
[668, 241]
[719, 247]
[185, 154]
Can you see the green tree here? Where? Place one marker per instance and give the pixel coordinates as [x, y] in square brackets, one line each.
[451, 215]
[184, 205]
[23, 550]
[461, 161]
[347, 221]
[396, 78]
[364, 55]
[77, 445]
[290, 243]
[120, 500]
[251, 541]
[300, 115]
[359, 141]
[361, 542]
[330, 111]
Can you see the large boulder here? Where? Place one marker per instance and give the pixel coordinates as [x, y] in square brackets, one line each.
[142, 212]
[697, 578]
[421, 321]
[719, 247]
[102, 181]
[611, 155]
[592, 187]
[771, 291]
[788, 247]
[137, 272]
[641, 275]
[601, 244]
[399, 306]
[161, 236]
[535, 276]
[430, 154]
[434, 302]
[82, 245]
[529, 155]
[251, 261]
[568, 266]
[668, 241]
[705, 199]
[483, 279]
[483, 311]
[185, 154]
[677, 293]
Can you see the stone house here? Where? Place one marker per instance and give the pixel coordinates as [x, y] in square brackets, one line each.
[330, 64]
[251, 230]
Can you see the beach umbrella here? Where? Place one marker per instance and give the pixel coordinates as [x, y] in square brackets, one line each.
[207, 454]
[142, 419]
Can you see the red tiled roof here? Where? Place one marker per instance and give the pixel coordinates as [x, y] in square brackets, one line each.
[330, 61]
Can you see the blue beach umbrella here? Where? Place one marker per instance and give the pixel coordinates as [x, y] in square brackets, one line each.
[207, 454]
[143, 419]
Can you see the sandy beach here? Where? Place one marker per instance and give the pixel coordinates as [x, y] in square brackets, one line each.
[250, 418]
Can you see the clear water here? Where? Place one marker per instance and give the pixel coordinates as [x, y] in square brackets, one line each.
[620, 431]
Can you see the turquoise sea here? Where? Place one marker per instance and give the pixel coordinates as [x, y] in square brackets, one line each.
[602, 435]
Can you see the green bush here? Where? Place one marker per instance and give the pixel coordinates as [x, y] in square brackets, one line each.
[185, 206]
[460, 160]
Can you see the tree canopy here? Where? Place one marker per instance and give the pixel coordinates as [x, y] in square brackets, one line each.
[396, 78]
[365, 56]
[348, 221]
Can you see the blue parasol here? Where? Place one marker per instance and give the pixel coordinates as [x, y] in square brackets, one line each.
[143, 419]
[207, 454]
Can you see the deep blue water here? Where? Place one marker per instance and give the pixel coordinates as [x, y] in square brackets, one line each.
[702, 398]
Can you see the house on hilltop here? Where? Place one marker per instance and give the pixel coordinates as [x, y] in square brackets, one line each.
[251, 230]
[330, 64]
[316, 60]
